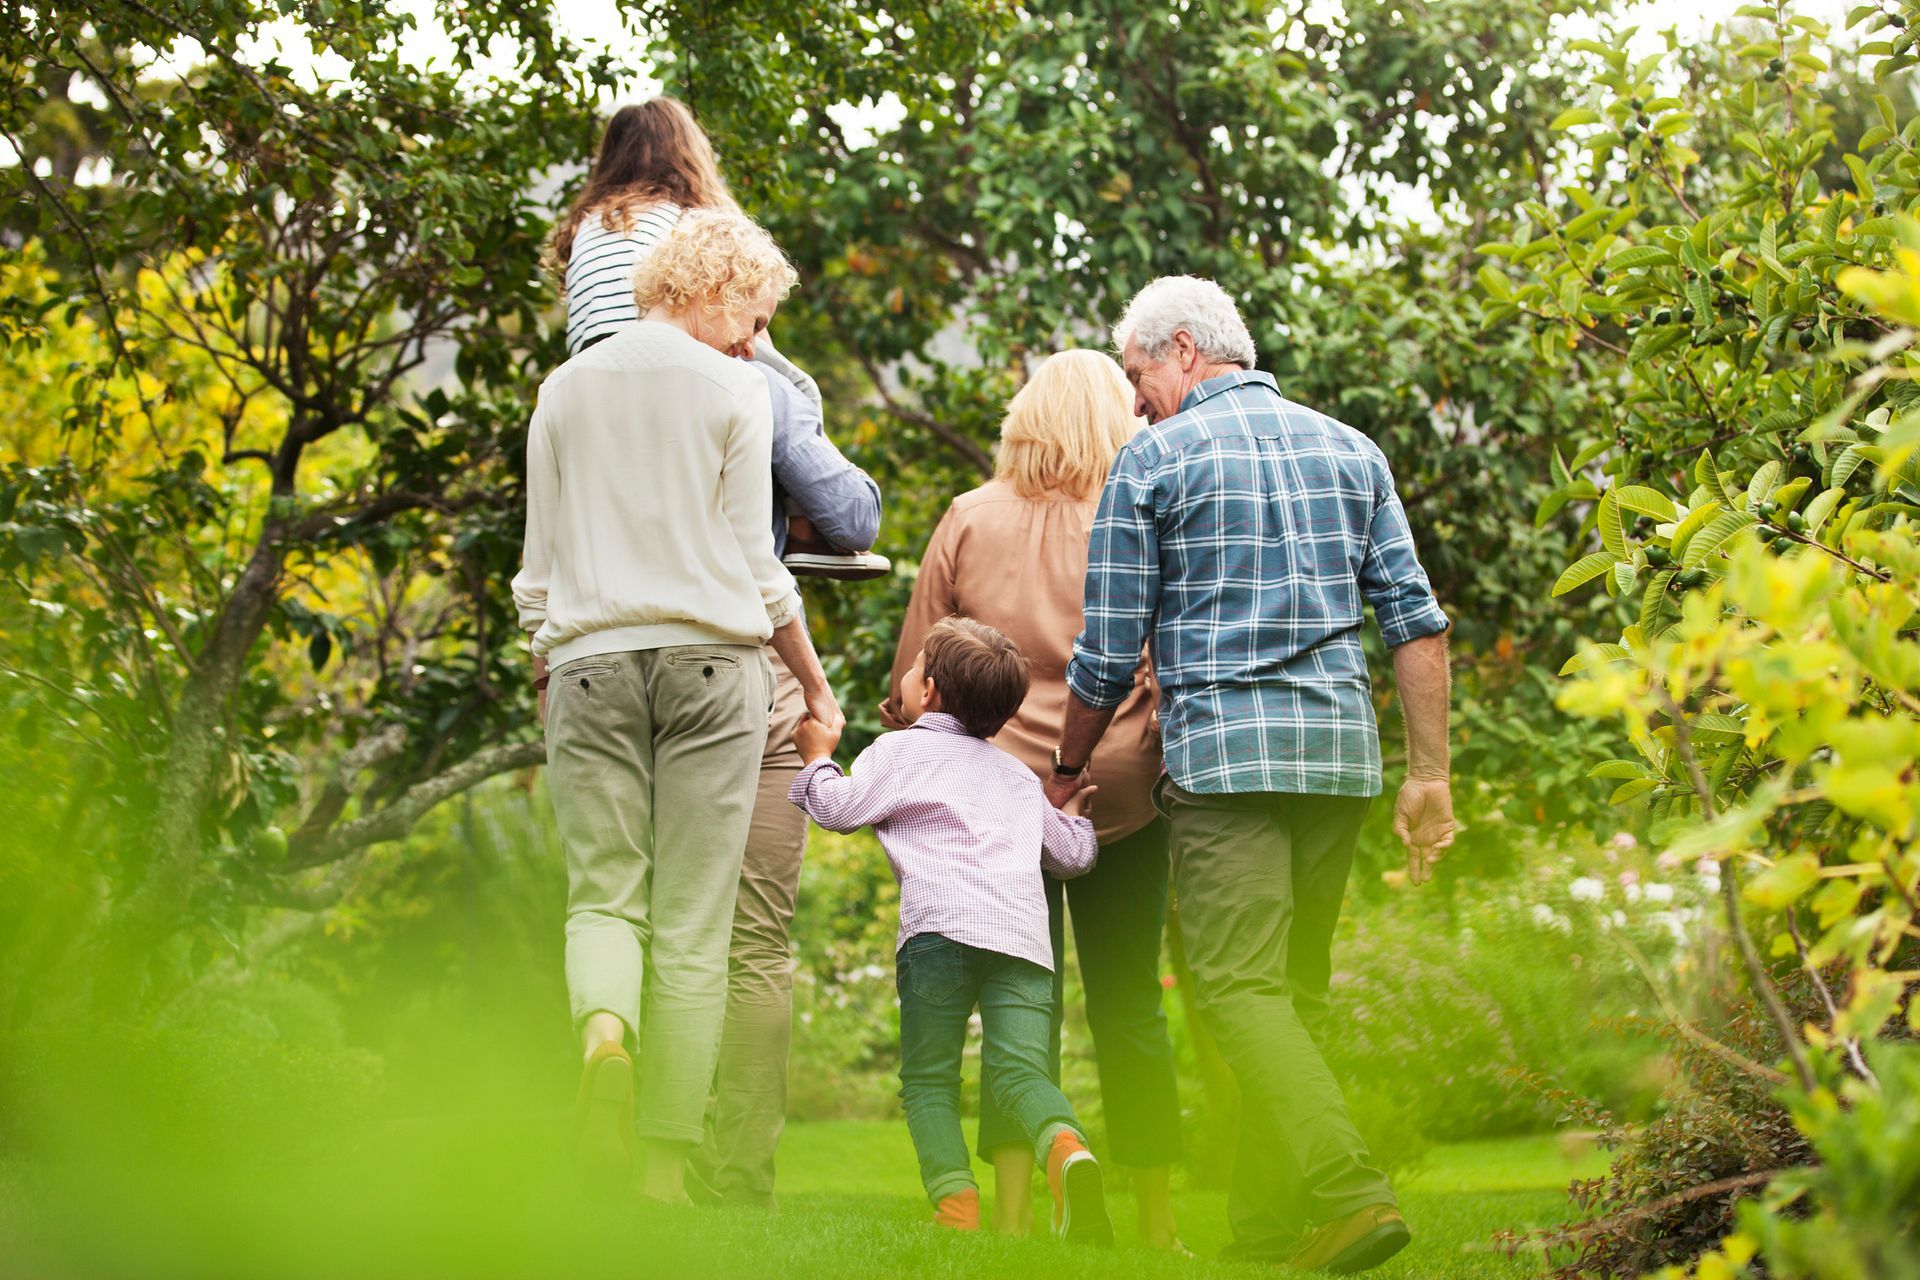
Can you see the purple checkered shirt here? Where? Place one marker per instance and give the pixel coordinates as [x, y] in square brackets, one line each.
[966, 827]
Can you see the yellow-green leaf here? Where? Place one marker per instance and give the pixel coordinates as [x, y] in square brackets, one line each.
[1645, 501]
[1783, 883]
[1583, 571]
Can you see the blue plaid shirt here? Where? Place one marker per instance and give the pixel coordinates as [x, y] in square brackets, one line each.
[1243, 534]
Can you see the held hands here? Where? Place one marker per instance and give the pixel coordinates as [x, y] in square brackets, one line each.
[1062, 791]
[1423, 819]
[823, 707]
[818, 733]
[815, 740]
[1080, 803]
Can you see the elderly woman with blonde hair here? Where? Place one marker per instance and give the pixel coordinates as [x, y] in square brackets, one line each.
[1013, 554]
[649, 584]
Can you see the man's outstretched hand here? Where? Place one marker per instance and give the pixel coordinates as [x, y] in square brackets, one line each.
[1423, 819]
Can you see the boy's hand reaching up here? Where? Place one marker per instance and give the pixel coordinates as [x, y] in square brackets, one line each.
[815, 740]
[1080, 803]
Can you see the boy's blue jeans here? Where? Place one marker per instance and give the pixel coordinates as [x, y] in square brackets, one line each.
[940, 983]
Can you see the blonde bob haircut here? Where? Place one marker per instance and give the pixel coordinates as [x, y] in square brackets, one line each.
[1064, 427]
[713, 258]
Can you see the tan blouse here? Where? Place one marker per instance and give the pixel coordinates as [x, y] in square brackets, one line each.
[1020, 564]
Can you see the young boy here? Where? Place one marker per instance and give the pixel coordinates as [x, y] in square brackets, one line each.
[968, 832]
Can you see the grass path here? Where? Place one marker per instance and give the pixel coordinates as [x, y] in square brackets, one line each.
[459, 1200]
[1458, 1198]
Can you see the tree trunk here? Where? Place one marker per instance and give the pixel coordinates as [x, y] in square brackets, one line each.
[175, 836]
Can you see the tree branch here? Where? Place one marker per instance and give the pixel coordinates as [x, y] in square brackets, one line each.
[397, 818]
[959, 443]
[1730, 899]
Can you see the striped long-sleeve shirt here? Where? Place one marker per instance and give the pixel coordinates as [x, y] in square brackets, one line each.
[1244, 534]
[600, 270]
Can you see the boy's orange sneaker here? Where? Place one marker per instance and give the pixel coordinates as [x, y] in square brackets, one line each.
[1079, 1197]
[959, 1211]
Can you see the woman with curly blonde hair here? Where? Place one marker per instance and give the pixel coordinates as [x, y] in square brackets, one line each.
[649, 584]
[1057, 442]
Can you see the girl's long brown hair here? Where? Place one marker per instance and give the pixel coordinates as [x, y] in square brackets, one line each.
[651, 152]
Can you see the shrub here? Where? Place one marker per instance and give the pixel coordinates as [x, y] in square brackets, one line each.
[1855, 1215]
[1749, 488]
[1673, 1186]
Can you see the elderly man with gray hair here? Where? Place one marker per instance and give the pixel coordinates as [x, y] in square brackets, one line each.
[1241, 534]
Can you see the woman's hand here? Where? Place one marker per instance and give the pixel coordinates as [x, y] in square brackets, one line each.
[539, 682]
[824, 708]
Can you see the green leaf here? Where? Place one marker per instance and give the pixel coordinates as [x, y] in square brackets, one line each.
[1574, 116]
[1763, 481]
[1619, 769]
[1692, 523]
[1714, 536]
[1640, 255]
[1583, 571]
[1647, 502]
[1629, 790]
[1589, 452]
[1592, 656]
[319, 648]
[1705, 472]
[1783, 883]
[1612, 536]
[1820, 508]
[1848, 462]
[1585, 222]
[1711, 726]
[1655, 600]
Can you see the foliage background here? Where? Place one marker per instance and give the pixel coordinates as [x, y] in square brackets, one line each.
[271, 336]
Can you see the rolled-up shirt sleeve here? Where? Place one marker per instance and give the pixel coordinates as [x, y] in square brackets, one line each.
[543, 500]
[1068, 845]
[1391, 578]
[1122, 589]
[838, 802]
[746, 499]
[839, 498]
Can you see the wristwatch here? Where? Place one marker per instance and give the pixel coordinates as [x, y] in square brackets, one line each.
[1061, 770]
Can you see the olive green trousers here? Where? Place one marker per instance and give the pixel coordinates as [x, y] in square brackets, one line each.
[1259, 878]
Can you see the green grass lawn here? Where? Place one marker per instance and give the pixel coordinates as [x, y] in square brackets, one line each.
[441, 1197]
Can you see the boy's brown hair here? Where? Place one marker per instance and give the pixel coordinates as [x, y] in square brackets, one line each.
[982, 676]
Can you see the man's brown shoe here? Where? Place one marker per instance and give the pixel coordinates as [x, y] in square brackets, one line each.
[1358, 1242]
[603, 1120]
